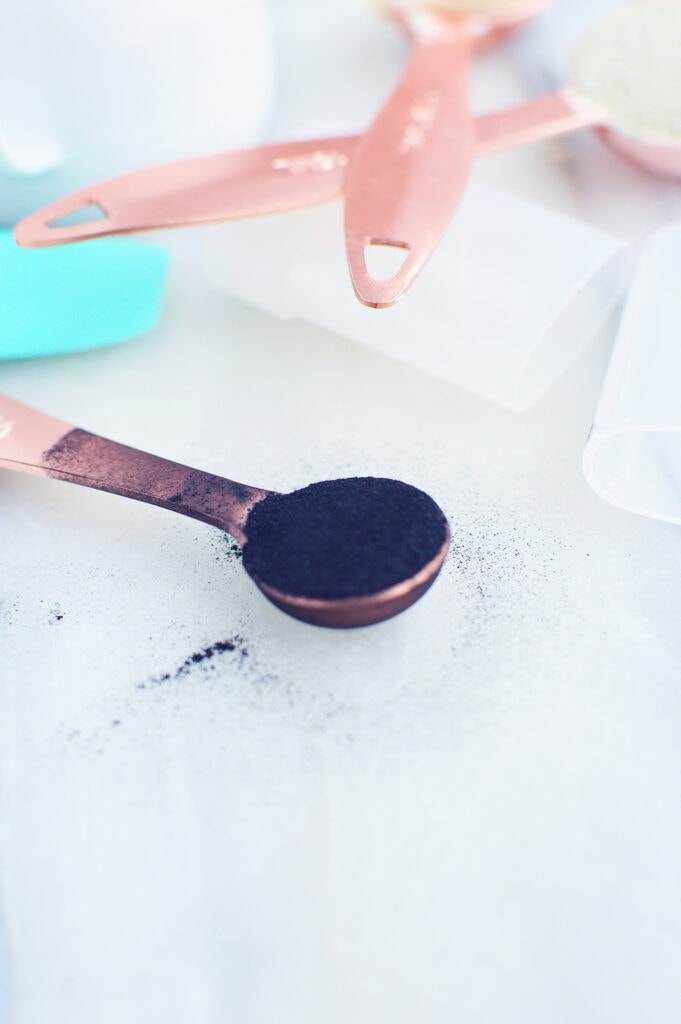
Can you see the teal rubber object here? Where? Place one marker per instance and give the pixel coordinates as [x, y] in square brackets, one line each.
[76, 297]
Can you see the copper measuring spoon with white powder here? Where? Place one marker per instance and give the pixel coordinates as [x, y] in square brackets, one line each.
[339, 553]
[410, 168]
[625, 81]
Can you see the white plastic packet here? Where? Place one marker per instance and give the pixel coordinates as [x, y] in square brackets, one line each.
[512, 295]
[633, 456]
[89, 91]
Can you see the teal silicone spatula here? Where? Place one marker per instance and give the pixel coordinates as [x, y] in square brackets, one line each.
[74, 298]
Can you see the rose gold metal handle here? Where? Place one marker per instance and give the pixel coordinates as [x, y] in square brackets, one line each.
[410, 169]
[226, 186]
[264, 180]
[25, 435]
[546, 117]
[32, 442]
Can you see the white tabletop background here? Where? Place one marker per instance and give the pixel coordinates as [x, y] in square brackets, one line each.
[469, 813]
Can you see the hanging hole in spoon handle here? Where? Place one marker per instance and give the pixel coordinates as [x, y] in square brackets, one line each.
[381, 272]
[76, 216]
[410, 169]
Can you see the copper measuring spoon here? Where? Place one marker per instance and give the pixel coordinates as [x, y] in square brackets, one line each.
[32, 442]
[268, 179]
[653, 30]
[243, 183]
[289, 176]
[410, 169]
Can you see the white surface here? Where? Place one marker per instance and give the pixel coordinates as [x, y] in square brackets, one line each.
[470, 812]
[513, 293]
[481, 319]
[89, 91]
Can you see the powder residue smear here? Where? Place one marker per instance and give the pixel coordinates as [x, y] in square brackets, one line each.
[203, 658]
[343, 538]
[629, 65]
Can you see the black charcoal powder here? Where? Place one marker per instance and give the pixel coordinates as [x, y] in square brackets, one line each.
[343, 538]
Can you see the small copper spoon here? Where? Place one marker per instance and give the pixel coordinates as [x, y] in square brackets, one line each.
[410, 168]
[32, 442]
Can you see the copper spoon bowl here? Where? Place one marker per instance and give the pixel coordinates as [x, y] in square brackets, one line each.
[32, 442]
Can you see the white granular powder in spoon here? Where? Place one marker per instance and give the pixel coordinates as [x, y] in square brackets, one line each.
[630, 67]
[465, 7]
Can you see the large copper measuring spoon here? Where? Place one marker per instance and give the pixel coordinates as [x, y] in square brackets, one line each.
[289, 176]
[274, 178]
[32, 442]
[410, 168]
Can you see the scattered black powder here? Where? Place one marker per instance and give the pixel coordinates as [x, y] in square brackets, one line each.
[220, 647]
[234, 550]
[343, 538]
[203, 658]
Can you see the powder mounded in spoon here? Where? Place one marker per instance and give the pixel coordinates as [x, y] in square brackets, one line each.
[343, 538]
[629, 65]
[465, 7]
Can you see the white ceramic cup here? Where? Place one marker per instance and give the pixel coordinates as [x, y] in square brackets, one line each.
[90, 90]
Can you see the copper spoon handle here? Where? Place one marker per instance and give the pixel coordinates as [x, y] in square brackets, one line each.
[267, 179]
[410, 169]
[32, 442]
[223, 186]
[546, 117]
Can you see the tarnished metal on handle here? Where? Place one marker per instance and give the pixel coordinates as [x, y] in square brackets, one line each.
[36, 443]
